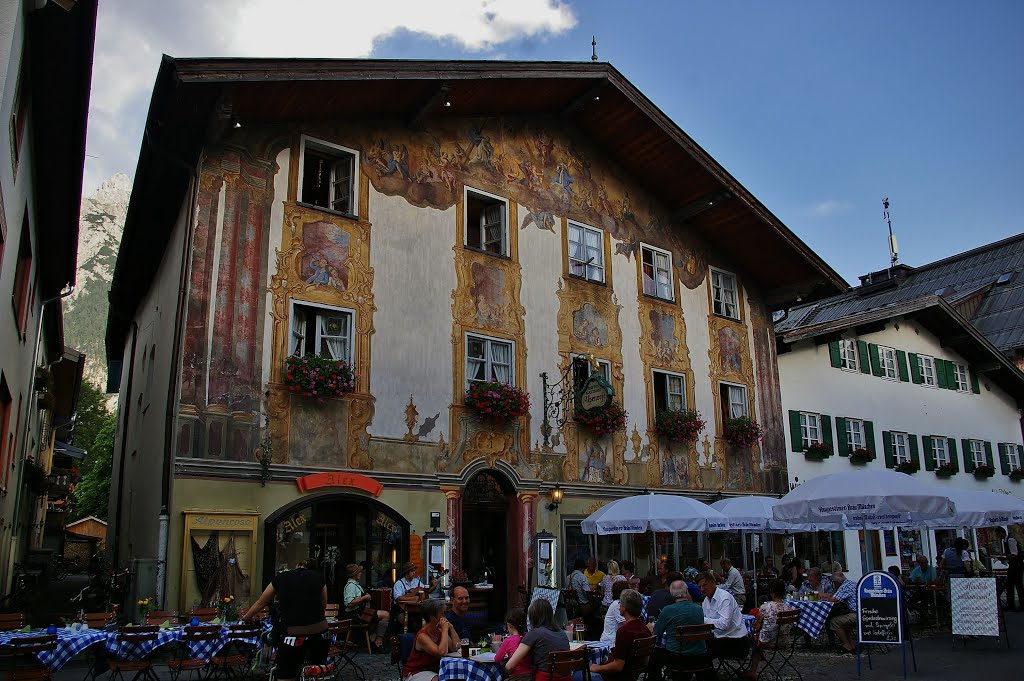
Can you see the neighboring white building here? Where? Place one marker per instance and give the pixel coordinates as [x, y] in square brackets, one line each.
[898, 369]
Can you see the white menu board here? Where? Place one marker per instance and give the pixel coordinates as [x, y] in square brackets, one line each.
[975, 612]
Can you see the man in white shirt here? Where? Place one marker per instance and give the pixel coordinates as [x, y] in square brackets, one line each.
[721, 610]
[732, 581]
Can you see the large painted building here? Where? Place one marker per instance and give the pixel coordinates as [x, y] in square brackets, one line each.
[914, 369]
[45, 72]
[434, 224]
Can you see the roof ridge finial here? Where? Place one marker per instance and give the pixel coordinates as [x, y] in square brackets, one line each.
[593, 44]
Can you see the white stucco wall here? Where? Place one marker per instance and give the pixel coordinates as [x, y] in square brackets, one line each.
[810, 383]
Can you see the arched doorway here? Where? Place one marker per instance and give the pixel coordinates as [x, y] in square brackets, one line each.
[489, 536]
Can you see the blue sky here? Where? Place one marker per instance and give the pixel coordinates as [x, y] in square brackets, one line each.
[820, 109]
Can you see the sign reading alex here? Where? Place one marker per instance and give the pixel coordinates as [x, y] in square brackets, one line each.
[596, 393]
[336, 479]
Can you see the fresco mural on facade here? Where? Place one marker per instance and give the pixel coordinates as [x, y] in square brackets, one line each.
[488, 293]
[730, 350]
[663, 336]
[324, 429]
[325, 255]
[589, 327]
[593, 456]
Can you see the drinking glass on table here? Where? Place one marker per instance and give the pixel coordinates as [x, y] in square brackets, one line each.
[578, 630]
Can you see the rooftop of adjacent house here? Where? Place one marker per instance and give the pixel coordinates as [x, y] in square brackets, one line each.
[985, 285]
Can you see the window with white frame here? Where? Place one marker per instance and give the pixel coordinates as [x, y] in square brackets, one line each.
[940, 450]
[586, 252]
[488, 359]
[888, 358]
[900, 448]
[656, 265]
[1013, 456]
[848, 354]
[486, 223]
[855, 438]
[978, 453]
[328, 176]
[321, 331]
[724, 294]
[963, 384]
[669, 391]
[926, 365]
[734, 400]
[583, 367]
[810, 428]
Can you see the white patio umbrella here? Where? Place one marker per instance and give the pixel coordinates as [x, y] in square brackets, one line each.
[749, 513]
[975, 508]
[654, 513]
[872, 498]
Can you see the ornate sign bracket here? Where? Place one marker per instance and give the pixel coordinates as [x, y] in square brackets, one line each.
[561, 397]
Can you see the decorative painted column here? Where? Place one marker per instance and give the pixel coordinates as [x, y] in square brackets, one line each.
[529, 528]
[453, 507]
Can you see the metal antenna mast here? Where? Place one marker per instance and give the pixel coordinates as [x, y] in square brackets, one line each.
[894, 250]
[593, 44]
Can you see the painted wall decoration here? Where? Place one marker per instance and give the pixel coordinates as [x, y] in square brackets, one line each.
[595, 464]
[325, 255]
[589, 327]
[769, 392]
[488, 292]
[663, 336]
[730, 350]
[324, 429]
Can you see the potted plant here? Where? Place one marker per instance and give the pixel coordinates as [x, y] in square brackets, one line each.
[818, 451]
[500, 402]
[906, 467]
[861, 455]
[603, 420]
[945, 470]
[984, 471]
[35, 478]
[318, 377]
[679, 425]
[1017, 474]
[742, 431]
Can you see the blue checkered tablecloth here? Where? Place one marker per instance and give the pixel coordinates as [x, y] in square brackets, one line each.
[69, 644]
[812, 615]
[199, 650]
[470, 670]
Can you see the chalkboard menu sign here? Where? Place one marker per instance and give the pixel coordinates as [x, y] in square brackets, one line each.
[879, 609]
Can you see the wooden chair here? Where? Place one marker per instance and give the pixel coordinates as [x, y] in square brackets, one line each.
[98, 620]
[235, 659]
[338, 633]
[201, 614]
[184, 661]
[639, 658]
[778, 655]
[158, 617]
[129, 640]
[565, 662]
[358, 628]
[22, 654]
[679, 667]
[12, 621]
[331, 611]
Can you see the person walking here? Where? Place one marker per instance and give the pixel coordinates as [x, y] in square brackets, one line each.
[1014, 573]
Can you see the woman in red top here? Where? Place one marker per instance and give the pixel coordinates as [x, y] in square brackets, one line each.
[436, 638]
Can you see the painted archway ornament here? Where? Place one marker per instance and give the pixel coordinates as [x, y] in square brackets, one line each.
[337, 479]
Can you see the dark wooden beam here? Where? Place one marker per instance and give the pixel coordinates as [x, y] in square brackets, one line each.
[702, 204]
[589, 95]
[437, 98]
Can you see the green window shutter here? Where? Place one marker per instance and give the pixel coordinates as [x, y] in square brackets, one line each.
[833, 353]
[988, 454]
[890, 455]
[1004, 460]
[940, 372]
[975, 387]
[826, 432]
[915, 370]
[864, 357]
[951, 446]
[876, 360]
[929, 453]
[950, 375]
[794, 431]
[869, 436]
[842, 445]
[968, 456]
[901, 365]
[915, 452]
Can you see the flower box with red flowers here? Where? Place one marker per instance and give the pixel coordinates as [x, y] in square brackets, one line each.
[497, 401]
[318, 377]
[945, 470]
[862, 455]
[1017, 474]
[906, 467]
[679, 425]
[818, 451]
[741, 431]
[603, 420]
[984, 471]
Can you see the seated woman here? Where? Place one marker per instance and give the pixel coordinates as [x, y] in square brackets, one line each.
[766, 625]
[613, 618]
[435, 639]
[356, 600]
[515, 622]
[544, 637]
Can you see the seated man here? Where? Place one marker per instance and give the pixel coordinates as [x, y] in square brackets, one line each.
[768, 569]
[630, 604]
[409, 586]
[923, 573]
[843, 623]
[682, 612]
[816, 583]
[732, 581]
[460, 608]
[662, 597]
[721, 610]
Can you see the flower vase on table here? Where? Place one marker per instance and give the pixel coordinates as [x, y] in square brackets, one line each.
[145, 607]
[228, 611]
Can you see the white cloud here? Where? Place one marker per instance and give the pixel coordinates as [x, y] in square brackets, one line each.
[826, 208]
[131, 36]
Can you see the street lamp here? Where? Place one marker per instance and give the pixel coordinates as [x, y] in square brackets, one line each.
[556, 497]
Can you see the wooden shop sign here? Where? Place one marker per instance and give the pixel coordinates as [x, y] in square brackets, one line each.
[352, 480]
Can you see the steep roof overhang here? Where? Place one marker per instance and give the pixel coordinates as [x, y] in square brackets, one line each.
[194, 95]
[938, 317]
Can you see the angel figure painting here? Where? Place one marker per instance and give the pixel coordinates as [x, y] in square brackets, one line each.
[325, 255]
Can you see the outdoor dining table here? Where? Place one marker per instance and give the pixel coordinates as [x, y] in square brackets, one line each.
[69, 643]
[812, 615]
[454, 666]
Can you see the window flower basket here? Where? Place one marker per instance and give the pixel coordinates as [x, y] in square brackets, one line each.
[498, 401]
[1017, 474]
[35, 478]
[984, 471]
[818, 451]
[862, 455]
[946, 470]
[679, 425]
[907, 467]
[603, 420]
[742, 431]
[319, 377]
